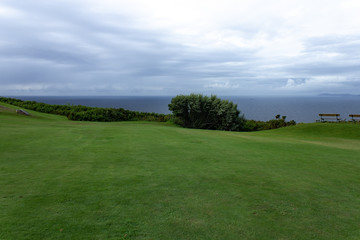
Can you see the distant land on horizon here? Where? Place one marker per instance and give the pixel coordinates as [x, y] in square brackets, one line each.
[337, 95]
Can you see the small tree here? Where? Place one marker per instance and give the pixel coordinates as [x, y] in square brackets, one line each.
[198, 111]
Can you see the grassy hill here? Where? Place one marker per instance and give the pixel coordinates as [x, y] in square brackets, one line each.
[61, 179]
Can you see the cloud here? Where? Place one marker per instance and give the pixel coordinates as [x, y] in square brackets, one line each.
[294, 83]
[222, 85]
[319, 85]
[160, 47]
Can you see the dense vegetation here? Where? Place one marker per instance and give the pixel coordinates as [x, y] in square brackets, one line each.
[193, 111]
[62, 179]
[278, 122]
[203, 112]
[84, 113]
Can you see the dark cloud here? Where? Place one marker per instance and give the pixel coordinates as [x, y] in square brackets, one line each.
[328, 56]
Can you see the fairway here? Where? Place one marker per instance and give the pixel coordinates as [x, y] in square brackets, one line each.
[62, 179]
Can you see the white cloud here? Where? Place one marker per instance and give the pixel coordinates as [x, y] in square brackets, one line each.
[319, 84]
[218, 84]
[8, 12]
[290, 83]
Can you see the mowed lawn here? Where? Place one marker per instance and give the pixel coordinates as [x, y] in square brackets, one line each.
[61, 179]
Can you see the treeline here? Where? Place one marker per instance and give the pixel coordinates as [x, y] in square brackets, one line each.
[84, 113]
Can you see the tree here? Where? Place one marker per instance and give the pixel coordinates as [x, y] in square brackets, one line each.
[198, 111]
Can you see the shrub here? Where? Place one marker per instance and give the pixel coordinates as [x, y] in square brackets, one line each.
[252, 125]
[198, 111]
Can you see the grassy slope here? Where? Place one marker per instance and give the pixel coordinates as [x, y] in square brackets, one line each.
[136, 180]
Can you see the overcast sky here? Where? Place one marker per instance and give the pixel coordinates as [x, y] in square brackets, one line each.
[169, 47]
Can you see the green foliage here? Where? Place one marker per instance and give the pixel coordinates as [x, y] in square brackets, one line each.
[252, 125]
[83, 113]
[203, 112]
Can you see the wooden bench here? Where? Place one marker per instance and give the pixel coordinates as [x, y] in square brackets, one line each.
[324, 117]
[355, 117]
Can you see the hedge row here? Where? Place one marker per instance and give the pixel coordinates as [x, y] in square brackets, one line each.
[84, 113]
[252, 125]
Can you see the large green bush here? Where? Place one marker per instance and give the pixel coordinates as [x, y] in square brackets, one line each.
[198, 111]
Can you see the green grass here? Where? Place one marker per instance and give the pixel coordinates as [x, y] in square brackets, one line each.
[139, 180]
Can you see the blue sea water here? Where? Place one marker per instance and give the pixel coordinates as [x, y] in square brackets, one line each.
[300, 109]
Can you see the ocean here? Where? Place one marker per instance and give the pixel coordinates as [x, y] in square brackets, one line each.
[300, 109]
